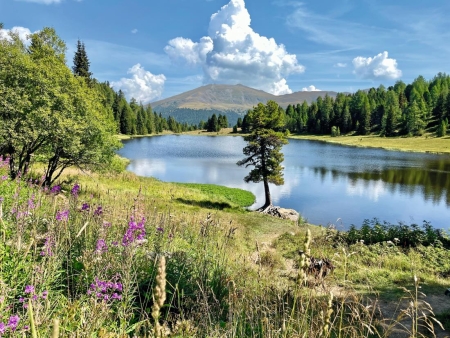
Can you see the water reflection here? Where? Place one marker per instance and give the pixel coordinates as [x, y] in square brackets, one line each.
[431, 181]
[322, 181]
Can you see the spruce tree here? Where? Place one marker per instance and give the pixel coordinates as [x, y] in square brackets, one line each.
[81, 62]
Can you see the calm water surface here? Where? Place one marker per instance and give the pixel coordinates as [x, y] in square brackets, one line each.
[326, 183]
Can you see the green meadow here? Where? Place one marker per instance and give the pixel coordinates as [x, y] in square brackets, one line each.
[117, 255]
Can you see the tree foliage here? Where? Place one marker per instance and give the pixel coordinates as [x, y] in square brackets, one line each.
[410, 110]
[214, 123]
[47, 114]
[264, 145]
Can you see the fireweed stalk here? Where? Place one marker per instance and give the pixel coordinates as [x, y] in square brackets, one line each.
[159, 295]
[135, 232]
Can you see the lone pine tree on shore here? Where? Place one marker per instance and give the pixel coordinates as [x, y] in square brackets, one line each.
[263, 148]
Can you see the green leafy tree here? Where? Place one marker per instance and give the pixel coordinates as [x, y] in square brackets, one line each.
[263, 148]
[46, 113]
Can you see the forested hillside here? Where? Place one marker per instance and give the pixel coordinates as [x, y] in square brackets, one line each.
[132, 118]
[195, 116]
[413, 109]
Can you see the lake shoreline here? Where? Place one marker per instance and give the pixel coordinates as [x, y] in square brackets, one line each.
[354, 184]
[423, 144]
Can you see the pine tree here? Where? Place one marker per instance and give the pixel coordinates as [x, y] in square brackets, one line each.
[81, 62]
[414, 124]
[364, 122]
[239, 122]
[263, 148]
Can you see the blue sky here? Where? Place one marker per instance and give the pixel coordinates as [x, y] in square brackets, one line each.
[155, 49]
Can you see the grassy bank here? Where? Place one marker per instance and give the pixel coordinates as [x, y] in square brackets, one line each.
[423, 144]
[86, 259]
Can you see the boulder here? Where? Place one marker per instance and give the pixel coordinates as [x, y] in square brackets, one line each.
[275, 211]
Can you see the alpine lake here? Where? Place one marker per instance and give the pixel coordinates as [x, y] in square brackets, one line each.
[327, 184]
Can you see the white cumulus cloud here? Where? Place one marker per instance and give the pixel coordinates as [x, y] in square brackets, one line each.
[22, 32]
[143, 85]
[380, 66]
[234, 53]
[134, 31]
[185, 50]
[310, 89]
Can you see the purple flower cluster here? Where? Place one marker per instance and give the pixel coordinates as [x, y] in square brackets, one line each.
[20, 214]
[62, 215]
[98, 211]
[135, 232]
[4, 161]
[55, 190]
[12, 324]
[106, 290]
[29, 289]
[31, 204]
[85, 207]
[47, 249]
[101, 246]
[30, 292]
[75, 190]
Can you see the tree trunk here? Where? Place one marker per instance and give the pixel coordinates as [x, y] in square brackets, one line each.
[267, 195]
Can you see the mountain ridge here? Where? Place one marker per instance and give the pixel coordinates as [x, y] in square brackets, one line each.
[230, 100]
[237, 98]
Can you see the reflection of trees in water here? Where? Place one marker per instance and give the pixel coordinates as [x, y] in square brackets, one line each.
[432, 180]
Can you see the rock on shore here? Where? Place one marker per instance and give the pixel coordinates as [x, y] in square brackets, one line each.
[276, 211]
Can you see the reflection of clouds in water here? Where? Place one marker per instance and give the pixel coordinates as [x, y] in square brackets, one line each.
[212, 174]
[372, 189]
[148, 167]
[278, 193]
[321, 185]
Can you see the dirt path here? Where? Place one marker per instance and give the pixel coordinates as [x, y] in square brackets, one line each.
[399, 324]
[392, 314]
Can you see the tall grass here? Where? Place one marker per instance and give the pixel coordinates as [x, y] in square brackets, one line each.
[117, 255]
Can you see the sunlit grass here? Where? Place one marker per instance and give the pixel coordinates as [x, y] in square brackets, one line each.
[229, 272]
[430, 144]
[239, 197]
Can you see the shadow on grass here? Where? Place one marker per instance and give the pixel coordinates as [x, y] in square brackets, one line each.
[206, 204]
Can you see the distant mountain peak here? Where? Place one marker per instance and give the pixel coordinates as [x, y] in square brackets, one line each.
[231, 98]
